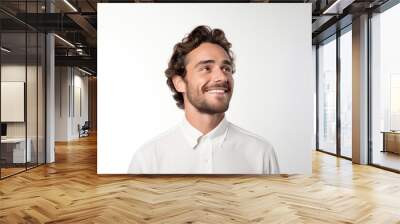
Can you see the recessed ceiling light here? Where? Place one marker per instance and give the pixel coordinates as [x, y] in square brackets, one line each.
[64, 40]
[84, 71]
[337, 7]
[5, 50]
[70, 5]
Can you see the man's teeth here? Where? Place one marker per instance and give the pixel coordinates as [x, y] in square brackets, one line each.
[216, 91]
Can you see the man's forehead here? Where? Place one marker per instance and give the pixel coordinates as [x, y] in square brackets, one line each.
[207, 51]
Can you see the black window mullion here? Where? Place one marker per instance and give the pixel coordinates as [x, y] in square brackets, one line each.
[37, 90]
[317, 96]
[26, 86]
[369, 90]
[338, 92]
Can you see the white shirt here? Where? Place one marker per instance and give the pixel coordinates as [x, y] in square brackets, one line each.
[227, 149]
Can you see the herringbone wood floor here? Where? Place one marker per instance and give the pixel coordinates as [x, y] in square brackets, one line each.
[70, 191]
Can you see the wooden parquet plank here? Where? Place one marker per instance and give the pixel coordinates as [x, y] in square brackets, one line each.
[70, 191]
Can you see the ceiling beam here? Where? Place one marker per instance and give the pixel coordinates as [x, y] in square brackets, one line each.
[85, 25]
[85, 61]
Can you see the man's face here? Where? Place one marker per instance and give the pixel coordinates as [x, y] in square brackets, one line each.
[208, 81]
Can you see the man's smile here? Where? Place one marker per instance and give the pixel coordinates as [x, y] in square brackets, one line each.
[219, 90]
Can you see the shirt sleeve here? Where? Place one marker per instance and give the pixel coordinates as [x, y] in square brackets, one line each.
[271, 165]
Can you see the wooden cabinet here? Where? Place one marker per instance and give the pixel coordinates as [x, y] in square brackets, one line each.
[391, 142]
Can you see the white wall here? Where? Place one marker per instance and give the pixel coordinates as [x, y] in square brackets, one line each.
[274, 82]
[68, 82]
[61, 103]
[80, 84]
[17, 72]
[12, 101]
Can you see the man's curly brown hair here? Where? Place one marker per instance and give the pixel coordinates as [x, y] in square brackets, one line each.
[177, 62]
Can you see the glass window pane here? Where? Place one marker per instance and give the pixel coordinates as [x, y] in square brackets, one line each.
[31, 86]
[31, 101]
[386, 89]
[346, 94]
[327, 97]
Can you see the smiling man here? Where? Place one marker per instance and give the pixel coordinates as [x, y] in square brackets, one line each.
[200, 74]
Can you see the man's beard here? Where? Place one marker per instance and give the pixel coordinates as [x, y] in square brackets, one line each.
[202, 104]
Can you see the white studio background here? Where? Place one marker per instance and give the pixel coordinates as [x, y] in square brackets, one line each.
[274, 82]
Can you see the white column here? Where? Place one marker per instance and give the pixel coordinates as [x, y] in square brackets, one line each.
[50, 92]
[50, 100]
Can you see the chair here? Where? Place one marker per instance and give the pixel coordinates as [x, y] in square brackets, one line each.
[84, 130]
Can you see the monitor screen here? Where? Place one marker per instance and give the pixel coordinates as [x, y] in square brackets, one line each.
[3, 129]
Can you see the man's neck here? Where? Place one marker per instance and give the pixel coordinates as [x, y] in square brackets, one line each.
[202, 121]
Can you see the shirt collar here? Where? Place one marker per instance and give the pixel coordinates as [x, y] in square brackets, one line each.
[193, 135]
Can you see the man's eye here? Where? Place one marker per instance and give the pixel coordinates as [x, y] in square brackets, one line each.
[227, 69]
[206, 68]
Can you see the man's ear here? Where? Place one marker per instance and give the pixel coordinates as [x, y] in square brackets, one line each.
[179, 83]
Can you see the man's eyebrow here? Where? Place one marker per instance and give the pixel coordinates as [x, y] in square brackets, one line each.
[204, 62]
[225, 62]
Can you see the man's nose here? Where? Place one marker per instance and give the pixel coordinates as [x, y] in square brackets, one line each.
[219, 75]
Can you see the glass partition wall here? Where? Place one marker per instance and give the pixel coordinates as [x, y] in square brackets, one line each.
[22, 77]
[334, 75]
[13, 89]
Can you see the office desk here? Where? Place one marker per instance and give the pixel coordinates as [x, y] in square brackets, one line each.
[391, 141]
[15, 148]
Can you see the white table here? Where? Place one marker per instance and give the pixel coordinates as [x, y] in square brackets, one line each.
[19, 149]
